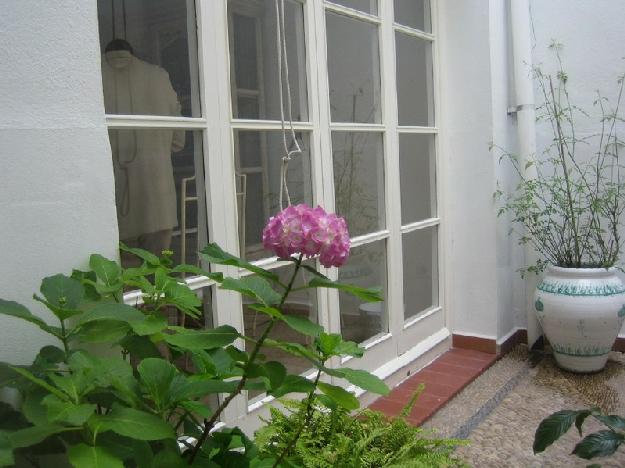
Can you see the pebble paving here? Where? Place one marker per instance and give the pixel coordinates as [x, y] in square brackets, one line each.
[499, 412]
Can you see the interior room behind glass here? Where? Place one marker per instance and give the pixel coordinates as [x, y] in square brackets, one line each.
[149, 67]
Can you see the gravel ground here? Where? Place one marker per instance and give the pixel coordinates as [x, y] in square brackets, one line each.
[499, 412]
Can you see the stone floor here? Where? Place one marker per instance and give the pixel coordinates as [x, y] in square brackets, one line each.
[500, 410]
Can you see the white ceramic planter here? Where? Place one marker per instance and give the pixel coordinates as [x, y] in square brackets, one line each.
[581, 311]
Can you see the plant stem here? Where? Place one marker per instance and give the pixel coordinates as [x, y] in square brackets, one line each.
[566, 176]
[210, 423]
[64, 341]
[308, 417]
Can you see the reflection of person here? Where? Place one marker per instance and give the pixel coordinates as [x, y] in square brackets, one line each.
[144, 182]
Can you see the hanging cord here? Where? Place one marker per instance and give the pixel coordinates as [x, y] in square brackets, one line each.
[283, 67]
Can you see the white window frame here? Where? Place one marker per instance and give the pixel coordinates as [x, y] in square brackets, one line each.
[217, 126]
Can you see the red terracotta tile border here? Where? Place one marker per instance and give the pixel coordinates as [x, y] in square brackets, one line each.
[443, 379]
[484, 345]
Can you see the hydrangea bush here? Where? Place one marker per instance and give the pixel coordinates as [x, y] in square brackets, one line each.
[145, 403]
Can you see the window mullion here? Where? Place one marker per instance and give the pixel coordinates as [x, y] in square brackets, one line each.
[315, 96]
[219, 163]
[394, 298]
[324, 155]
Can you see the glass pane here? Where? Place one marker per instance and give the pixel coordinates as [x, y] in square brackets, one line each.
[359, 180]
[366, 267]
[254, 59]
[159, 191]
[301, 303]
[149, 57]
[258, 157]
[368, 6]
[353, 69]
[417, 177]
[415, 89]
[420, 253]
[414, 13]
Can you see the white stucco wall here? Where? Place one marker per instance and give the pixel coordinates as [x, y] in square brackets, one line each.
[593, 39]
[56, 183]
[485, 296]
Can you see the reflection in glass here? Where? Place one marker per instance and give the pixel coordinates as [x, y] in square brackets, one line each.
[159, 191]
[353, 69]
[258, 157]
[366, 267]
[149, 57]
[417, 177]
[368, 6]
[254, 59]
[359, 180]
[414, 13]
[420, 255]
[301, 303]
[415, 91]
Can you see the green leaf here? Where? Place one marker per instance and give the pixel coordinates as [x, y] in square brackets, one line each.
[293, 384]
[276, 373]
[112, 311]
[613, 421]
[552, 427]
[51, 354]
[580, 418]
[33, 435]
[328, 342]
[366, 294]
[192, 269]
[197, 408]
[365, 380]
[33, 409]
[341, 396]
[181, 296]
[599, 444]
[102, 331]
[302, 325]
[151, 325]
[126, 448]
[148, 257]
[156, 376]
[295, 349]
[271, 311]
[65, 411]
[87, 279]
[106, 270]
[215, 254]
[86, 456]
[140, 346]
[6, 451]
[348, 348]
[42, 383]
[132, 423]
[198, 387]
[253, 286]
[14, 309]
[62, 291]
[195, 340]
[170, 459]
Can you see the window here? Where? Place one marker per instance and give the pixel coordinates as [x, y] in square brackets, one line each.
[193, 104]
[149, 68]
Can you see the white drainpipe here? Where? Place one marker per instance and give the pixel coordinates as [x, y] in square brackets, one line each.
[520, 23]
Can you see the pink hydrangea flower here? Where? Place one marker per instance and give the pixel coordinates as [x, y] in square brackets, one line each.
[309, 231]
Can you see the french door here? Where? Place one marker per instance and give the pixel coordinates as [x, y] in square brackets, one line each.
[362, 76]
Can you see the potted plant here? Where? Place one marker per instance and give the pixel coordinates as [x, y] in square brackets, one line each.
[570, 208]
